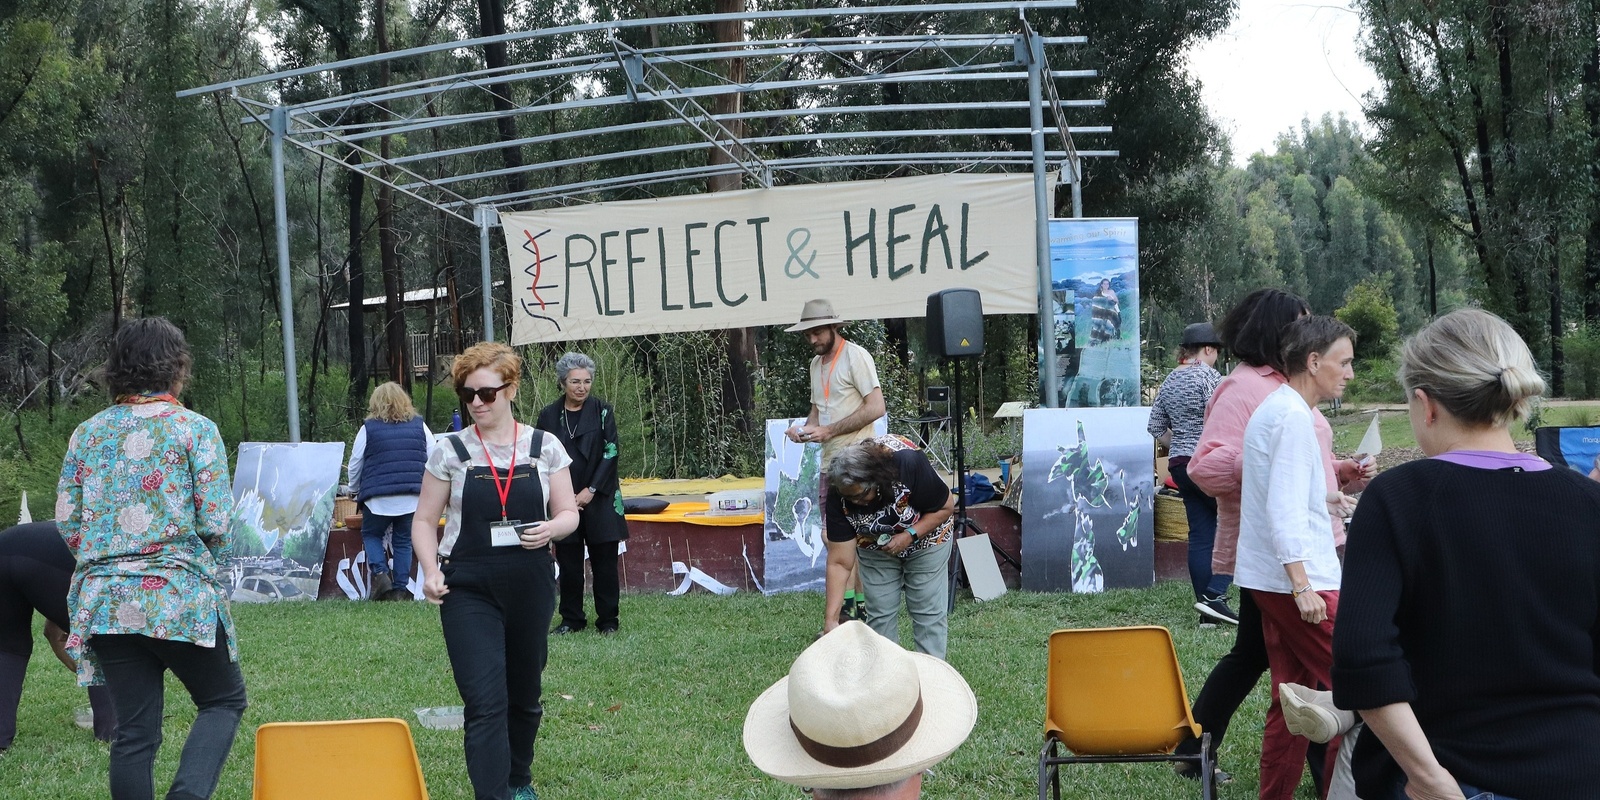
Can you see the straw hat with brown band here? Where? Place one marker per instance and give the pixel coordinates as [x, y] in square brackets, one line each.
[816, 313]
[857, 710]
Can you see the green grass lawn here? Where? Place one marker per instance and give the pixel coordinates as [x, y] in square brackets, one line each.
[655, 711]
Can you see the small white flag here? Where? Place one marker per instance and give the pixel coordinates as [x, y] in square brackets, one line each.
[25, 516]
[1372, 442]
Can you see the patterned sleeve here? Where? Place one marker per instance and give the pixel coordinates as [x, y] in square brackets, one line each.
[1159, 423]
[442, 462]
[69, 496]
[213, 490]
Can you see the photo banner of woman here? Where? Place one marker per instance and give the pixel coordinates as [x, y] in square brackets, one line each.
[1094, 283]
[744, 258]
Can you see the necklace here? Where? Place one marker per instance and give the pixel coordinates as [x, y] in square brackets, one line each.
[566, 420]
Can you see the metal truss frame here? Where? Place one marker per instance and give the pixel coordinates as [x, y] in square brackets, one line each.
[592, 66]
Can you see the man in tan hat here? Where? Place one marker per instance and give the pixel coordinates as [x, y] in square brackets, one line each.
[859, 717]
[845, 400]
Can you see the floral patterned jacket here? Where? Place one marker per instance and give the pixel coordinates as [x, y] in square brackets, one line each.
[144, 502]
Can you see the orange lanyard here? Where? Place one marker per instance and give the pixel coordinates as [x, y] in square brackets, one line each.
[827, 380]
[494, 475]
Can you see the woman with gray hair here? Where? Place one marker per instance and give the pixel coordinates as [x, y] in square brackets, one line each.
[1469, 631]
[587, 427]
[888, 498]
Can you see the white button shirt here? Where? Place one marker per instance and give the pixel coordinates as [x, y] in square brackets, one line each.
[1283, 511]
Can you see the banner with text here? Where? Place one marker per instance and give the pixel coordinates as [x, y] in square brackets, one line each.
[876, 249]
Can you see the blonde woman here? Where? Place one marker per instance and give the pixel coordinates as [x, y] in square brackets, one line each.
[1469, 631]
[386, 464]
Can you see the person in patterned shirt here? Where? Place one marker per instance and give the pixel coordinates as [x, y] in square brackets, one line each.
[144, 504]
[888, 498]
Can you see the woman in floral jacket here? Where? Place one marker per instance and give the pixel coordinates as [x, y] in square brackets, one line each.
[144, 504]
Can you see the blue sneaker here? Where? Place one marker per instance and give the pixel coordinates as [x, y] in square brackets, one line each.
[524, 793]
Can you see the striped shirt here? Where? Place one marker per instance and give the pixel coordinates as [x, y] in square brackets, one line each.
[1180, 406]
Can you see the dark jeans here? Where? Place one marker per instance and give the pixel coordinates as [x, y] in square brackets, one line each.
[607, 582]
[13, 668]
[496, 621]
[372, 529]
[1232, 680]
[134, 667]
[1201, 510]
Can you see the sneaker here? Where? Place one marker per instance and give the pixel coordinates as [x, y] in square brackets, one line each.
[861, 610]
[1217, 609]
[524, 793]
[847, 611]
[564, 629]
[1207, 622]
[1192, 772]
[607, 630]
[1312, 714]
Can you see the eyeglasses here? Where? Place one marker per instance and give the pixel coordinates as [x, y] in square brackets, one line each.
[486, 395]
[857, 496]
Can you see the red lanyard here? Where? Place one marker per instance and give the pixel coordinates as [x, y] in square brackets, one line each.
[504, 491]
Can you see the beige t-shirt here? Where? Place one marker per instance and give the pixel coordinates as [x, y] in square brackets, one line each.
[850, 380]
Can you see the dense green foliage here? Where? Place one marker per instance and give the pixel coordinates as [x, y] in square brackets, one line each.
[1486, 131]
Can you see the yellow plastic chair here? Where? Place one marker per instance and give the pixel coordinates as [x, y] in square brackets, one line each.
[335, 760]
[1117, 695]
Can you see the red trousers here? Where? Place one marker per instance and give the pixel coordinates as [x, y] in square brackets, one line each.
[1297, 652]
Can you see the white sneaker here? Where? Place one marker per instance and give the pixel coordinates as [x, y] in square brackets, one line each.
[1312, 714]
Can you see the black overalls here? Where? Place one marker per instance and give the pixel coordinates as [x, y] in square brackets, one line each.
[496, 618]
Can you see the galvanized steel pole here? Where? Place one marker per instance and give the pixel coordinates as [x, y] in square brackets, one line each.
[1041, 207]
[280, 209]
[483, 214]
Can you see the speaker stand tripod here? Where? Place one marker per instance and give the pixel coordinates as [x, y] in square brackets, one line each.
[964, 525]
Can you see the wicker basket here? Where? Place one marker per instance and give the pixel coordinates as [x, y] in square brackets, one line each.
[343, 507]
[1172, 525]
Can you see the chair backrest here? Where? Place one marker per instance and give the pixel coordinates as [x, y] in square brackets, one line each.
[1116, 691]
[1575, 447]
[352, 758]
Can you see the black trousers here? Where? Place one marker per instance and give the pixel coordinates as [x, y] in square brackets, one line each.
[496, 620]
[1232, 680]
[134, 667]
[607, 582]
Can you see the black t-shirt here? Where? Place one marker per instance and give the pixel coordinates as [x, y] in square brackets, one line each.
[918, 490]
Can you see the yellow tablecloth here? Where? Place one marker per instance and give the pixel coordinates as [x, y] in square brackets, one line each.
[645, 487]
[695, 514]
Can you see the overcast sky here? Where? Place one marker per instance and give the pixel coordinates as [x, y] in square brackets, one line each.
[1281, 61]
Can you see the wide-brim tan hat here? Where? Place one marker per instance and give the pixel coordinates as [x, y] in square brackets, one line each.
[816, 314]
[851, 689]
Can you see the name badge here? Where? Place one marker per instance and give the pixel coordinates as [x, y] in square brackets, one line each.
[504, 533]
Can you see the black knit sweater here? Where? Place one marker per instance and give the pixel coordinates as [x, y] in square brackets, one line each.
[1474, 595]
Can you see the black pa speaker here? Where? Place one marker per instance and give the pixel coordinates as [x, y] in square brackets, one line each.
[955, 323]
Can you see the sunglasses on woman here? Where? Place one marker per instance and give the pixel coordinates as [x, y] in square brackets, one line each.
[486, 395]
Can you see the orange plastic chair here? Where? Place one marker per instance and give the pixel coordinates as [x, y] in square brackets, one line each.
[1117, 695]
[352, 758]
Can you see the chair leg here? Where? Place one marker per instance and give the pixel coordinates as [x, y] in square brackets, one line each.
[1049, 774]
[1208, 769]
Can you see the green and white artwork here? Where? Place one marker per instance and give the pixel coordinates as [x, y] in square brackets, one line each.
[283, 508]
[795, 552]
[1087, 499]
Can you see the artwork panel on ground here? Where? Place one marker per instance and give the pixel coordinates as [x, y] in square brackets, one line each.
[1094, 281]
[745, 258]
[1087, 500]
[796, 550]
[283, 508]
